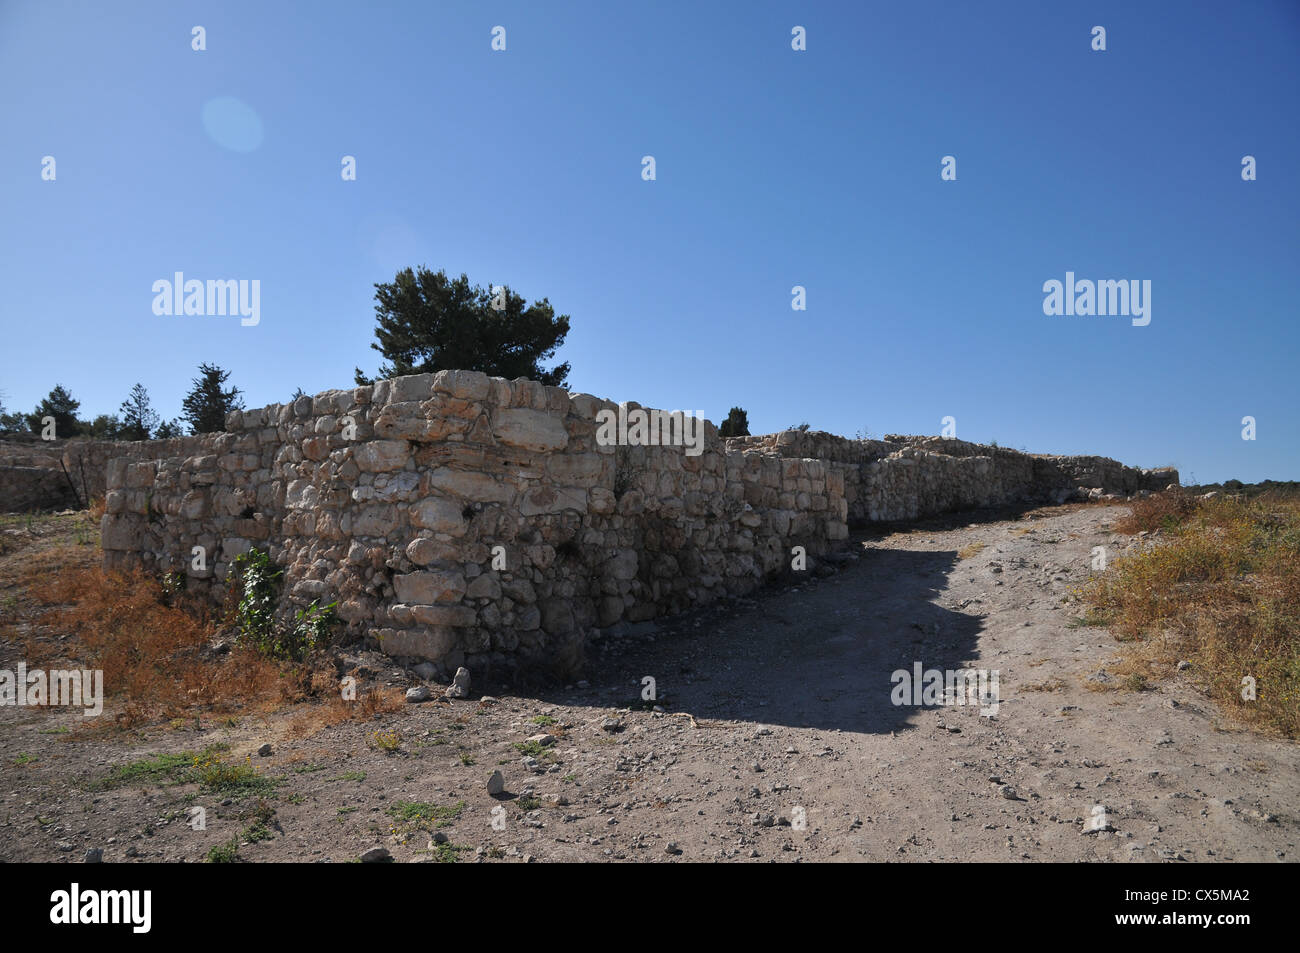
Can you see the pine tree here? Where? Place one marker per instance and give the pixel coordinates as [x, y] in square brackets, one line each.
[10, 421]
[428, 322]
[61, 406]
[736, 424]
[206, 405]
[138, 417]
[106, 427]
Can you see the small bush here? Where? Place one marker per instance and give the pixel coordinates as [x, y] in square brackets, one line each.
[446, 853]
[417, 815]
[226, 853]
[160, 769]
[259, 587]
[1164, 511]
[236, 780]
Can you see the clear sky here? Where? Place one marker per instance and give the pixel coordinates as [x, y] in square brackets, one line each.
[775, 168]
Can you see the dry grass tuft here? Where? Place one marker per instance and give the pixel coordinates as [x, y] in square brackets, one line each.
[336, 711]
[152, 653]
[1158, 511]
[1221, 591]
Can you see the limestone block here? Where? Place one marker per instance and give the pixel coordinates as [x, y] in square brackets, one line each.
[441, 516]
[610, 610]
[423, 551]
[547, 499]
[453, 616]
[432, 644]
[141, 475]
[119, 533]
[557, 616]
[400, 486]
[376, 456]
[301, 494]
[485, 586]
[574, 467]
[622, 565]
[520, 590]
[194, 505]
[374, 520]
[316, 448]
[466, 385]
[530, 429]
[416, 387]
[428, 588]
[470, 485]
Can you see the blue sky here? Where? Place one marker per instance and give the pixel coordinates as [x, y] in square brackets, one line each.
[775, 168]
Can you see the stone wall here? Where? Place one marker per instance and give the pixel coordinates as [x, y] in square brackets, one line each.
[30, 477]
[87, 460]
[905, 478]
[462, 519]
[25, 489]
[37, 474]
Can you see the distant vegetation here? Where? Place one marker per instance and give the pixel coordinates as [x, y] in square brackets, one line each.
[1249, 490]
[203, 410]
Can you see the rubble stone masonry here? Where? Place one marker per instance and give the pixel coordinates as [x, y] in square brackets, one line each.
[468, 520]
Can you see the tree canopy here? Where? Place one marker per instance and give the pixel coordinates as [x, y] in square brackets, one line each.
[206, 405]
[62, 407]
[736, 424]
[429, 322]
[138, 418]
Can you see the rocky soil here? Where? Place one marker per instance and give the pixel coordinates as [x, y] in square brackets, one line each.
[776, 740]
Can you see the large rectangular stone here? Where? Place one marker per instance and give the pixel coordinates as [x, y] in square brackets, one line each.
[454, 616]
[575, 467]
[414, 387]
[468, 385]
[529, 429]
[432, 644]
[428, 588]
[471, 485]
[441, 516]
[119, 532]
[546, 499]
[375, 456]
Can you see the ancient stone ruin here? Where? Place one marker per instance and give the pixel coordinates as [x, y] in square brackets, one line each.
[465, 520]
[36, 474]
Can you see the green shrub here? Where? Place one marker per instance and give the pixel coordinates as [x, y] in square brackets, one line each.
[259, 586]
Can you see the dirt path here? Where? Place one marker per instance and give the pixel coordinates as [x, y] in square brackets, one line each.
[799, 753]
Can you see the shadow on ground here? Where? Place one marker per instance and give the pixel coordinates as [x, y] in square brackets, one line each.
[817, 655]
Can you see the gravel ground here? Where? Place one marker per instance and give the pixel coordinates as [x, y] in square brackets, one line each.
[778, 741]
